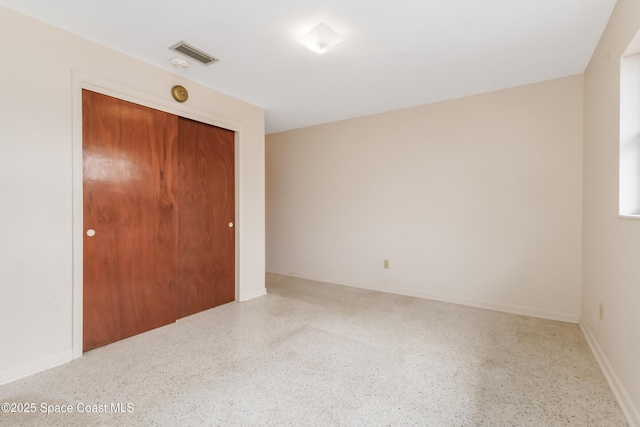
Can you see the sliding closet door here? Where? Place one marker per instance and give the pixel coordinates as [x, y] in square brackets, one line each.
[130, 219]
[206, 196]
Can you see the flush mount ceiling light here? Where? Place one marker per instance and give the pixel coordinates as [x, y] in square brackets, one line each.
[321, 39]
[179, 63]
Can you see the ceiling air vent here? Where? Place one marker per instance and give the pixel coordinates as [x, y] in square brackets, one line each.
[194, 53]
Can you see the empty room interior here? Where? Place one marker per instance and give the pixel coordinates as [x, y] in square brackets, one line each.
[413, 213]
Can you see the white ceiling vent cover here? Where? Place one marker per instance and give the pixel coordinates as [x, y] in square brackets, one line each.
[192, 52]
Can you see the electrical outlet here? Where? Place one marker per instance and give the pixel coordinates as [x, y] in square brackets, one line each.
[601, 311]
[386, 264]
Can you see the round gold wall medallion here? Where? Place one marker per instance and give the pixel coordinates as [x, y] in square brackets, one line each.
[179, 93]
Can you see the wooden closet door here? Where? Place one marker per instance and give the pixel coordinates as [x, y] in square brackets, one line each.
[130, 264]
[206, 196]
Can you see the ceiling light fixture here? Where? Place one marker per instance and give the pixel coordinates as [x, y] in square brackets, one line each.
[321, 39]
[179, 63]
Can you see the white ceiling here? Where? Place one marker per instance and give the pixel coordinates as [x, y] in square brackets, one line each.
[398, 54]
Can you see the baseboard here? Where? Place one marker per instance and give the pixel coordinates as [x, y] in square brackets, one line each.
[32, 368]
[488, 305]
[626, 404]
[251, 295]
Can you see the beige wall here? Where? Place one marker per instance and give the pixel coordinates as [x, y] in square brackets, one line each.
[475, 200]
[611, 266]
[37, 95]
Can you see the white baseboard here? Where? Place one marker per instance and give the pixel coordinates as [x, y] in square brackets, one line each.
[28, 369]
[251, 295]
[32, 368]
[489, 305]
[626, 404]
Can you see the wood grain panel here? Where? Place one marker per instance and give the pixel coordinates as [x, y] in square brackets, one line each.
[206, 196]
[130, 265]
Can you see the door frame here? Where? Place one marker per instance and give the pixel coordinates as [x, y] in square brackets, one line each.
[82, 81]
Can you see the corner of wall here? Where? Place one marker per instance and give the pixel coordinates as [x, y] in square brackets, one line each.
[624, 400]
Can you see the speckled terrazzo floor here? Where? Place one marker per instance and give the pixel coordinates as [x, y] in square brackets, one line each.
[326, 355]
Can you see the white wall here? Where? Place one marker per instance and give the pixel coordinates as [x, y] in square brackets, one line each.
[475, 200]
[611, 267]
[36, 183]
